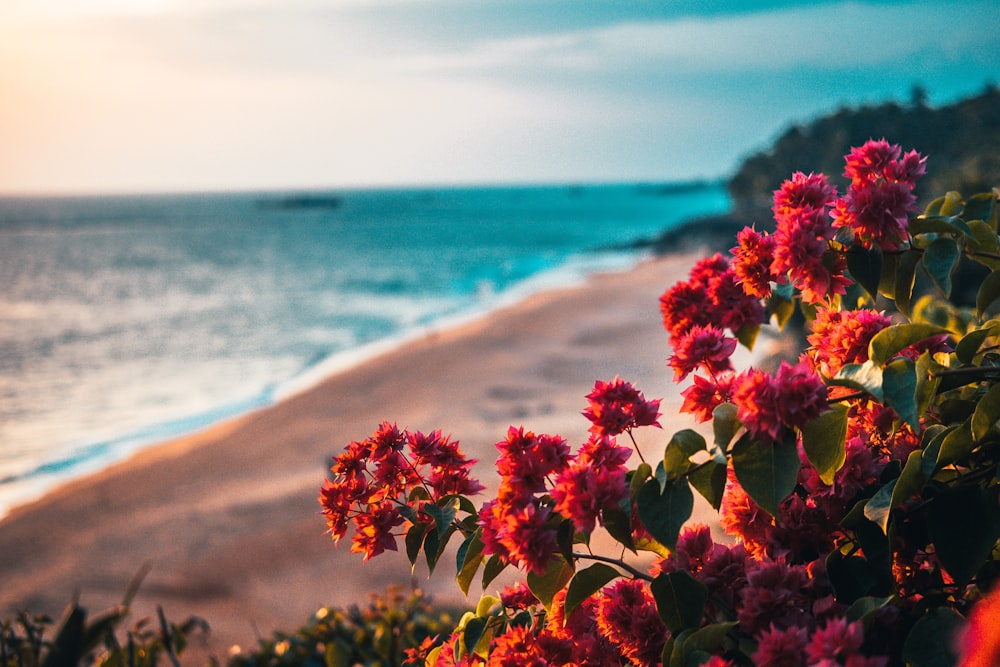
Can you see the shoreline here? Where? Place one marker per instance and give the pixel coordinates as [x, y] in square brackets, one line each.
[227, 517]
[49, 475]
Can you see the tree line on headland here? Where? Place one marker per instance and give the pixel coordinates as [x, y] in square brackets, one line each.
[961, 139]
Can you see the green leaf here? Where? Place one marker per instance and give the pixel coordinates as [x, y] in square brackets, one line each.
[676, 456]
[865, 267]
[967, 348]
[899, 389]
[709, 479]
[642, 472]
[987, 413]
[887, 280]
[767, 471]
[545, 586]
[494, 566]
[725, 424]
[709, 639]
[951, 204]
[851, 577]
[414, 540]
[469, 558]
[680, 600]
[878, 506]
[931, 639]
[781, 307]
[443, 516]
[989, 291]
[823, 440]
[587, 582]
[664, 513]
[956, 445]
[927, 381]
[865, 377]
[890, 341]
[618, 523]
[910, 481]
[939, 261]
[980, 207]
[964, 525]
[903, 290]
[864, 607]
[486, 602]
[984, 244]
[937, 224]
[473, 632]
[67, 647]
[747, 335]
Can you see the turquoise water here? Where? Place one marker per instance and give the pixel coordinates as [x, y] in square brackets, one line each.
[127, 320]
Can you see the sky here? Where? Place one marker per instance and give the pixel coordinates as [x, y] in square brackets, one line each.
[117, 96]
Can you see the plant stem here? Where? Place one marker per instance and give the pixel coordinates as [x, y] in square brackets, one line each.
[638, 574]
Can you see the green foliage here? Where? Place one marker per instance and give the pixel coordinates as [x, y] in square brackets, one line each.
[81, 640]
[376, 634]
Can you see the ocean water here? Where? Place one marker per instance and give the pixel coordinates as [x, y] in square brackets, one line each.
[128, 320]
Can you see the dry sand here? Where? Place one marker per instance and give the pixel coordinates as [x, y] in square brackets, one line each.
[228, 518]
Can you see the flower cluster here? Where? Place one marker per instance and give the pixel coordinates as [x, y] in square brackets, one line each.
[374, 479]
[541, 483]
[710, 297]
[618, 406]
[836, 488]
[880, 197]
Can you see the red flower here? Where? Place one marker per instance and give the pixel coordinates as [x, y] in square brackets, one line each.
[617, 406]
[627, 617]
[702, 397]
[880, 197]
[836, 640]
[778, 647]
[702, 347]
[752, 259]
[374, 533]
[841, 337]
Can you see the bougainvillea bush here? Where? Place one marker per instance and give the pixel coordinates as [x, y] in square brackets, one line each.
[858, 483]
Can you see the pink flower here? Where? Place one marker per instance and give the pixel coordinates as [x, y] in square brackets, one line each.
[711, 297]
[589, 647]
[530, 539]
[841, 337]
[702, 347]
[801, 394]
[767, 406]
[777, 647]
[581, 492]
[775, 595]
[518, 596]
[836, 640]
[702, 397]
[617, 406]
[683, 306]
[801, 242]
[803, 191]
[627, 617]
[526, 459]
[880, 197]
[756, 401]
[518, 647]
[374, 533]
[752, 259]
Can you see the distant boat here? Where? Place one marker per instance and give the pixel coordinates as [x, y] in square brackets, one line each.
[302, 201]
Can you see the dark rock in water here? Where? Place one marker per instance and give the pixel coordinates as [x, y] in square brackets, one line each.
[302, 201]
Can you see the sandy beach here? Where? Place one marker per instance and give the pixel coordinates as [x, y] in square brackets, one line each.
[227, 518]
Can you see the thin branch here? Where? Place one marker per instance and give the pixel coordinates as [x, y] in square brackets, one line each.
[638, 574]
